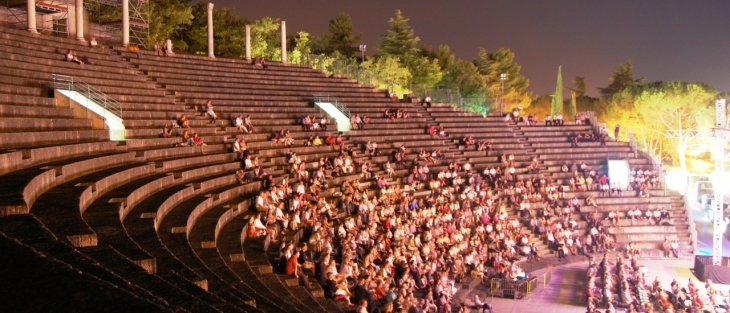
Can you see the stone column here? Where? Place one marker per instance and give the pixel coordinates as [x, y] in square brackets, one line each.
[80, 20]
[169, 47]
[210, 30]
[248, 43]
[283, 42]
[125, 23]
[32, 27]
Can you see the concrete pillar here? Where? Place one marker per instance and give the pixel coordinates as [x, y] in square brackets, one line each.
[169, 47]
[248, 43]
[80, 20]
[210, 30]
[283, 42]
[125, 23]
[32, 27]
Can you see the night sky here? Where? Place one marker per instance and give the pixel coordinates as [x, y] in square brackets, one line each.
[665, 40]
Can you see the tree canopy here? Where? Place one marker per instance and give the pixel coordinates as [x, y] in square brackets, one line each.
[620, 79]
[491, 65]
[651, 110]
[400, 40]
[341, 37]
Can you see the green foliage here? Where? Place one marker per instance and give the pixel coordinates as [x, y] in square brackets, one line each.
[653, 109]
[621, 79]
[445, 58]
[540, 106]
[557, 103]
[492, 65]
[301, 48]
[341, 38]
[580, 86]
[195, 35]
[229, 33]
[464, 78]
[167, 18]
[424, 71]
[572, 107]
[400, 39]
[266, 39]
[393, 76]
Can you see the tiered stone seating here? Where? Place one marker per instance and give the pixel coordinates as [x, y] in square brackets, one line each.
[552, 147]
[167, 224]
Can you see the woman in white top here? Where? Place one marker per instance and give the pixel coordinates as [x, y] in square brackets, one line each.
[209, 111]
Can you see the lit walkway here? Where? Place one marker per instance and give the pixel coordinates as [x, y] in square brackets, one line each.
[566, 292]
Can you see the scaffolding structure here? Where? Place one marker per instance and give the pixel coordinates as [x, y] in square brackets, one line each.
[720, 133]
[109, 30]
[52, 15]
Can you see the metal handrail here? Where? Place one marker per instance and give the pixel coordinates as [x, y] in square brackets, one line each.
[64, 82]
[330, 99]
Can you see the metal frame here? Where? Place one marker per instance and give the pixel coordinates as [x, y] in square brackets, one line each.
[330, 99]
[110, 32]
[721, 134]
[53, 15]
[63, 82]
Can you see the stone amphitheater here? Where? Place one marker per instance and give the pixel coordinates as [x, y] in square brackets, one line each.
[91, 224]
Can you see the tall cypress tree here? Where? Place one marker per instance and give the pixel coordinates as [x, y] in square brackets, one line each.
[572, 108]
[557, 105]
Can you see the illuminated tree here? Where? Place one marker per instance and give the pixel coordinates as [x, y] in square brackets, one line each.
[492, 65]
[653, 109]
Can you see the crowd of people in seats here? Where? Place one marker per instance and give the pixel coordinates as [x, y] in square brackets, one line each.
[601, 137]
[624, 284]
[312, 123]
[394, 114]
[556, 120]
[436, 131]
[394, 244]
[359, 122]
[642, 181]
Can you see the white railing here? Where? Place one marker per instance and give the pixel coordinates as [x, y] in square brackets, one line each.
[63, 82]
[336, 103]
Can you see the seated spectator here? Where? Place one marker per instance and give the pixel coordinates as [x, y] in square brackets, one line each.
[388, 169]
[238, 147]
[317, 141]
[166, 132]
[93, 43]
[187, 140]
[393, 97]
[442, 132]
[389, 114]
[260, 62]
[248, 123]
[210, 112]
[427, 101]
[323, 123]
[306, 123]
[432, 131]
[135, 49]
[241, 176]
[239, 124]
[357, 121]
[157, 48]
[198, 141]
[184, 122]
[70, 57]
[558, 120]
